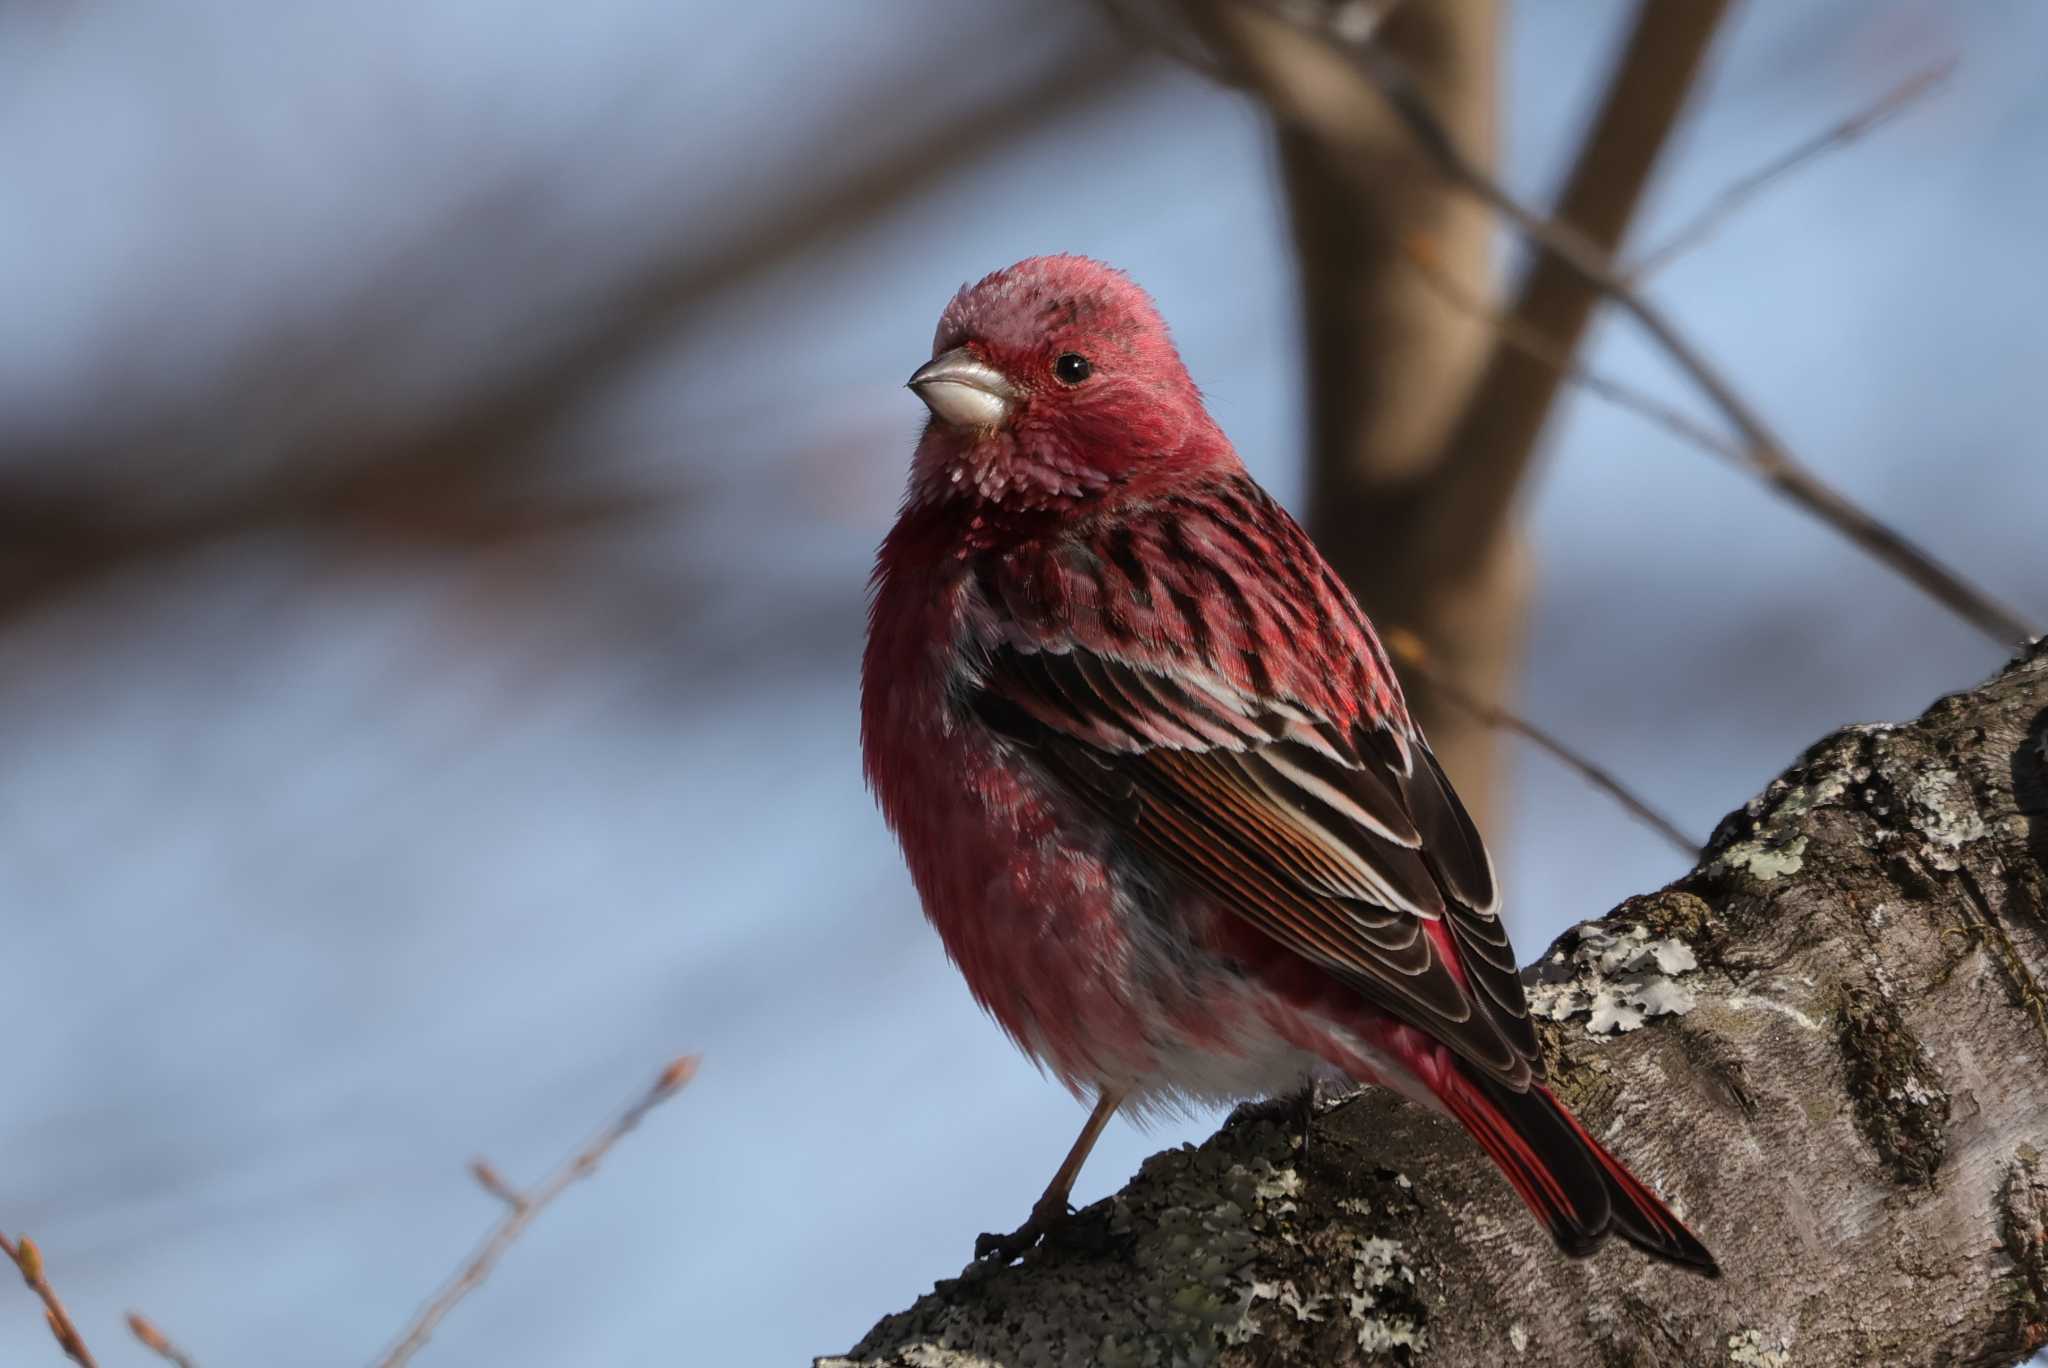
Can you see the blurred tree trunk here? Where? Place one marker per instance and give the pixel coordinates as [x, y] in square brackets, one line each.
[1828, 1045]
[1423, 422]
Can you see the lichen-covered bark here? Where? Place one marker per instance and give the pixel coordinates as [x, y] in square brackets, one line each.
[1828, 1045]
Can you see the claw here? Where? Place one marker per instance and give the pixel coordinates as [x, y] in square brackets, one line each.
[997, 1251]
[1050, 1212]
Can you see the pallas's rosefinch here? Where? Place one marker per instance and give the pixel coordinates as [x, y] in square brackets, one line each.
[1153, 774]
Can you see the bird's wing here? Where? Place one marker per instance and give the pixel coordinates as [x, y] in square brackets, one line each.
[1345, 843]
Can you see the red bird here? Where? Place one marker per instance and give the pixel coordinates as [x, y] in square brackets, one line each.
[1152, 771]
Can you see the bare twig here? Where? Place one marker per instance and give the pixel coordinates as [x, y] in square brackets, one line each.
[29, 1260]
[1540, 348]
[1764, 453]
[155, 1341]
[523, 1209]
[1494, 446]
[1734, 197]
[491, 1181]
[1407, 648]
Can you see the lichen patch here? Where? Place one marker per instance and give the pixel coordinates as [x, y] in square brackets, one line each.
[1380, 1269]
[1945, 813]
[1744, 1001]
[1309, 1308]
[1616, 978]
[1750, 1349]
[1763, 860]
[1771, 826]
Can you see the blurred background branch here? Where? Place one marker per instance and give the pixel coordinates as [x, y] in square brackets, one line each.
[456, 473]
[1587, 263]
[28, 1261]
[1425, 422]
[1413, 657]
[521, 1210]
[523, 1207]
[1731, 200]
[149, 1337]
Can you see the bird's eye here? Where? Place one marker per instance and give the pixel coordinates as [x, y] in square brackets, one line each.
[1072, 368]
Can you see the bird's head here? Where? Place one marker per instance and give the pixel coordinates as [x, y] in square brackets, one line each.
[1053, 383]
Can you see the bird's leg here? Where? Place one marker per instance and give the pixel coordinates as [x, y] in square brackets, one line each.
[1051, 1208]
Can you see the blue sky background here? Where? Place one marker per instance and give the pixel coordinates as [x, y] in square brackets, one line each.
[328, 863]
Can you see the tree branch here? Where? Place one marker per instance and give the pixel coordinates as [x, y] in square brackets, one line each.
[464, 457]
[1407, 649]
[28, 1261]
[1590, 265]
[1737, 195]
[1822, 1044]
[647, 310]
[157, 1342]
[1618, 393]
[523, 1207]
[1488, 455]
[1424, 425]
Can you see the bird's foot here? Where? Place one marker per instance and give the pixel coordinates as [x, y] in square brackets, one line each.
[1047, 1215]
[1293, 1112]
[1321, 1097]
[1296, 1111]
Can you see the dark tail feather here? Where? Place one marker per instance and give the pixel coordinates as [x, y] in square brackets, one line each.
[1573, 1185]
[1640, 1216]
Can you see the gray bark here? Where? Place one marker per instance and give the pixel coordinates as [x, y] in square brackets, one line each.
[1827, 1044]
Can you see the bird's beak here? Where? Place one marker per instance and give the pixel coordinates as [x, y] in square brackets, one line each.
[963, 391]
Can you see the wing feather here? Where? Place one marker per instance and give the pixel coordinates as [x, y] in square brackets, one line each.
[1342, 843]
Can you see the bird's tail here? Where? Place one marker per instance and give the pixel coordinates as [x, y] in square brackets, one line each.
[1568, 1179]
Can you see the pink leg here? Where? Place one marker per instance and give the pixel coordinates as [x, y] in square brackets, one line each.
[1051, 1207]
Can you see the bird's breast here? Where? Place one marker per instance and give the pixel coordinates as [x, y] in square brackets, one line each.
[1027, 890]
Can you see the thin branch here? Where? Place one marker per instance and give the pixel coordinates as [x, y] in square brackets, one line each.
[1407, 648]
[1489, 453]
[1736, 196]
[155, 1341]
[29, 1260]
[1142, 27]
[1540, 348]
[1763, 452]
[491, 1181]
[524, 1208]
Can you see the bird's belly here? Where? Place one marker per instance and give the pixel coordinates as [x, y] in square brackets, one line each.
[1091, 961]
